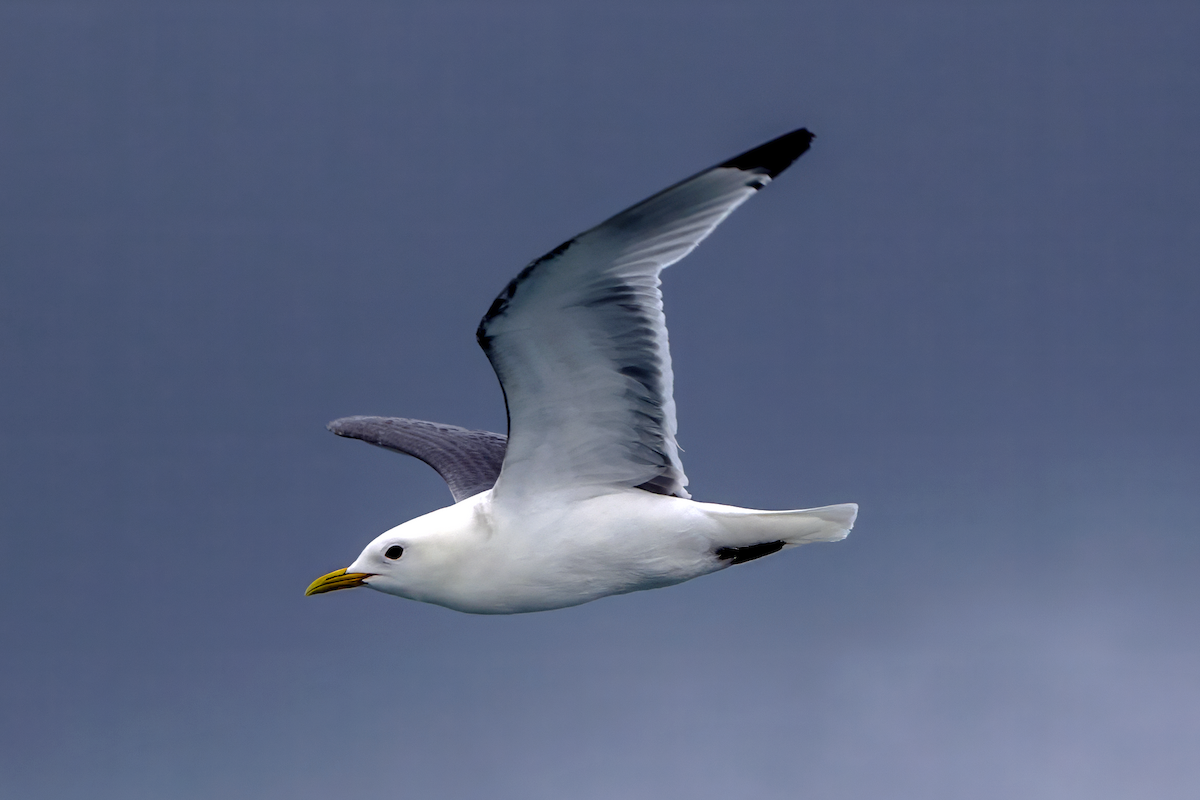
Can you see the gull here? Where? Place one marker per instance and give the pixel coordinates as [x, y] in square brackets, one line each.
[585, 497]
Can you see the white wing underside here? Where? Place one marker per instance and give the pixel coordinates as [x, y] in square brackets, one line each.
[579, 340]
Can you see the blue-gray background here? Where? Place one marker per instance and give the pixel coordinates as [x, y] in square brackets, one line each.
[971, 308]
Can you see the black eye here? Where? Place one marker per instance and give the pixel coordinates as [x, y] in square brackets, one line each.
[394, 552]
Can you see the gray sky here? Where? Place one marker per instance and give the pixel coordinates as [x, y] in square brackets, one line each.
[971, 308]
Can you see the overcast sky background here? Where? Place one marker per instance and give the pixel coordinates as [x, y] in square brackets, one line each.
[972, 308]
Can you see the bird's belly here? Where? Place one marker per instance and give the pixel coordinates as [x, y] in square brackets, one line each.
[603, 547]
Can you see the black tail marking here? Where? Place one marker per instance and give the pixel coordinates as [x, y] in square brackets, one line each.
[740, 555]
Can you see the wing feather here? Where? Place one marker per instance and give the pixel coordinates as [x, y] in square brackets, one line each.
[469, 461]
[579, 341]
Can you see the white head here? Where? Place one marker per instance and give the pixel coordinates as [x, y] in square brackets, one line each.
[419, 559]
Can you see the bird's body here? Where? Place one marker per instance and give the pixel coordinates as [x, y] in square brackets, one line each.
[586, 495]
[486, 556]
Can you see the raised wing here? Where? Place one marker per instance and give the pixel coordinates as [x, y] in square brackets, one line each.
[469, 461]
[579, 341]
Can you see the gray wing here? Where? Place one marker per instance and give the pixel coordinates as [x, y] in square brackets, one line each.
[469, 461]
[579, 340]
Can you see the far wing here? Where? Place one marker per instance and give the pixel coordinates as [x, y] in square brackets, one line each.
[579, 341]
[469, 461]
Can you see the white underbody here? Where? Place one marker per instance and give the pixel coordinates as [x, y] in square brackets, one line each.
[553, 550]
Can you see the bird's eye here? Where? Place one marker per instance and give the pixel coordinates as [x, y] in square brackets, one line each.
[394, 552]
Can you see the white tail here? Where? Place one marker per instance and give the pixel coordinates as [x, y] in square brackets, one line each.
[745, 527]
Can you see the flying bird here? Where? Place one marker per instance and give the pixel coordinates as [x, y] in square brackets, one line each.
[585, 497]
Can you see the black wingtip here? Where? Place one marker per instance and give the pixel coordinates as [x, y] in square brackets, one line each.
[775, 156]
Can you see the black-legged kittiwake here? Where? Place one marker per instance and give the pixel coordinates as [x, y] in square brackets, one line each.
[585, 496]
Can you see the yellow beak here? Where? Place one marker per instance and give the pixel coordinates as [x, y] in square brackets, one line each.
[336, 580]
